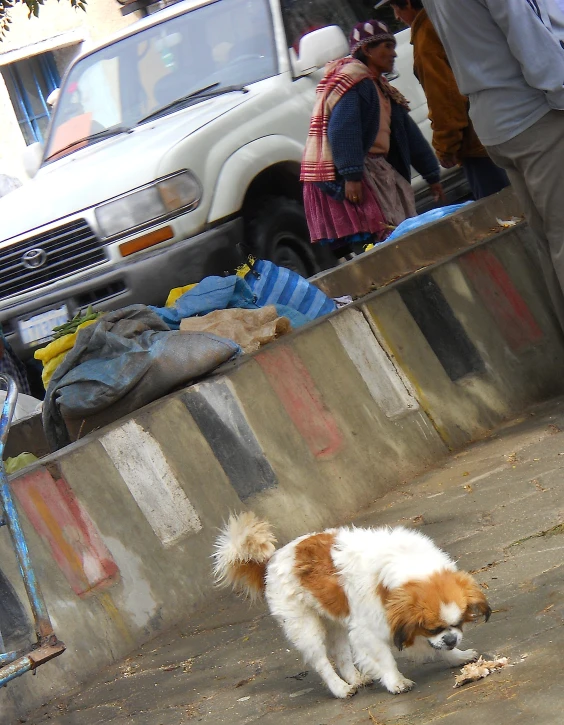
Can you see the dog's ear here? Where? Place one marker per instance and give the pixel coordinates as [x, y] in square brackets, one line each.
[400, 637]
[479, 608]
[401, 617]
[476, 603]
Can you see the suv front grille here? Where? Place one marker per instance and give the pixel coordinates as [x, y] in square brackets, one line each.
[68, 249]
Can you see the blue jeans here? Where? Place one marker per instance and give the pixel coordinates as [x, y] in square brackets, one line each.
[484, 177]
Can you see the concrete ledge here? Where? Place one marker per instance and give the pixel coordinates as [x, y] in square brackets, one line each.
[314, 426]
[430, 245]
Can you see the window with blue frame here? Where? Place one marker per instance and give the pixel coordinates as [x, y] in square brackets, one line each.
[29, 82]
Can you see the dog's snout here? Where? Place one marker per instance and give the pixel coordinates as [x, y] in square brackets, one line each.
[450, 640]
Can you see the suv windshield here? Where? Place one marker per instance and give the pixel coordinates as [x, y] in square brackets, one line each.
[225, 43]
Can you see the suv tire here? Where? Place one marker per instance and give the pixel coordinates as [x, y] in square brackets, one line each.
[278, 232]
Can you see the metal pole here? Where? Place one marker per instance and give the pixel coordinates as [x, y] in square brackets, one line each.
[43, 626]
[10, 672]
[8, 657]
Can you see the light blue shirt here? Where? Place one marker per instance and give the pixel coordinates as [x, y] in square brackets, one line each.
[555, 9]
[506, 57]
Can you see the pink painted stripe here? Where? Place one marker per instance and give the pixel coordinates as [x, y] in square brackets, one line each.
[67, 529]
[301, 399]
[498, 293]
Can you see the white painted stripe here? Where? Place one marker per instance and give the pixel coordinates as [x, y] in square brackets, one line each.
[385, 347]
[375, 367]
[143, 467]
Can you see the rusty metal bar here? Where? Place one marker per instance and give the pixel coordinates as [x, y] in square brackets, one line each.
[31, 661]
[47, 644]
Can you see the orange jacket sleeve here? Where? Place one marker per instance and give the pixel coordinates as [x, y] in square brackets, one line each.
[448, 108]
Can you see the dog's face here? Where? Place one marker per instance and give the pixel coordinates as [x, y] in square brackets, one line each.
[435, 608]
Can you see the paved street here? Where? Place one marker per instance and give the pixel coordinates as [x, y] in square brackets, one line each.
[497, 506]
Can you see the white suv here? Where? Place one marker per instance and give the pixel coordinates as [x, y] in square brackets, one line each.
[171, 143]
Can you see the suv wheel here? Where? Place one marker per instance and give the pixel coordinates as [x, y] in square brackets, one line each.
[278, 232]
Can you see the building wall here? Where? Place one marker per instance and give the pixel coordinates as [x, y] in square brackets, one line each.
[59, 28]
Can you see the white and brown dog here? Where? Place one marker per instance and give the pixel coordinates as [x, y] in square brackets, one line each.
[347, 594]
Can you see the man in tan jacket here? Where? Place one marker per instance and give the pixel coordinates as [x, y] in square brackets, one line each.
[454, 139]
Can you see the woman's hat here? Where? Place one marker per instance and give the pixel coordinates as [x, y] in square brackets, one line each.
[369, 33]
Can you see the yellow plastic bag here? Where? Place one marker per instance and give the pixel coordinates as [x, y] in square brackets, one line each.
[245, 268]
[177, 292]
[11, 465]
[50, 367]
[53, 354]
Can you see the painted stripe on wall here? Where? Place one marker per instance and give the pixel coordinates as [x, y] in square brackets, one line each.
[375, 367]
[143, 467]
[296, 389]
[441, 327]
[218, 413]
[65, 526]
[491, 281]
[388, 336]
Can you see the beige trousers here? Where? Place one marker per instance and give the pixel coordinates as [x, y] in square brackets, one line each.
[534, 161]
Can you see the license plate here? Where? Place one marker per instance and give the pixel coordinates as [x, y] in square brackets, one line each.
[39, 328]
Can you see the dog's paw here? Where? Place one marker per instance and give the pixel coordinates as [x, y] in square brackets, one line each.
[344, 691]
[457, 657]
[359, 680]
[397, 683]
[364, 680]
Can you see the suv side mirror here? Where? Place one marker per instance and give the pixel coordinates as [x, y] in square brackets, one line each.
[318, 48]
[31, 158]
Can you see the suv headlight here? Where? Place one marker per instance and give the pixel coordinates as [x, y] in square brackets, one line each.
[163, 198]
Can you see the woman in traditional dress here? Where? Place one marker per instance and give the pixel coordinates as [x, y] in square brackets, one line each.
[361, 145]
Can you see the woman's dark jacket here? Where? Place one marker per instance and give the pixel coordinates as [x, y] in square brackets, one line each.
[353, 127]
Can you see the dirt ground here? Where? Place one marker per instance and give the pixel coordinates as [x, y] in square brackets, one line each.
[498, 507]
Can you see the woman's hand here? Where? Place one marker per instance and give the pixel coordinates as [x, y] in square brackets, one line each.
[438, 191]
[353, 191]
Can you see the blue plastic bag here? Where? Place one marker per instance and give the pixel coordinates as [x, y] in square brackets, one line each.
[429, 216]
[212, 293]
[273, 285]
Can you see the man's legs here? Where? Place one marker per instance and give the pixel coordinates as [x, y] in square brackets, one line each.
[484, 177]
[534, 161]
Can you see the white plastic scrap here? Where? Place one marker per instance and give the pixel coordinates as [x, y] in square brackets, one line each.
[343, 301]
[505, 223]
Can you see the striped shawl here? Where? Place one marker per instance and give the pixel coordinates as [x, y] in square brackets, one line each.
[340, 76]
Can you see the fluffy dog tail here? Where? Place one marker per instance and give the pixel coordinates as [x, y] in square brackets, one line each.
[242, 551]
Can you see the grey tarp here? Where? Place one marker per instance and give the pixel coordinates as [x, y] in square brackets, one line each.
[126, 360]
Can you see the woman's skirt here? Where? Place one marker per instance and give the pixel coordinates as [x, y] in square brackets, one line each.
[330, 220]
[387, 200]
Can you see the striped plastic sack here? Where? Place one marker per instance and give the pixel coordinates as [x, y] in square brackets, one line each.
[273, 285]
